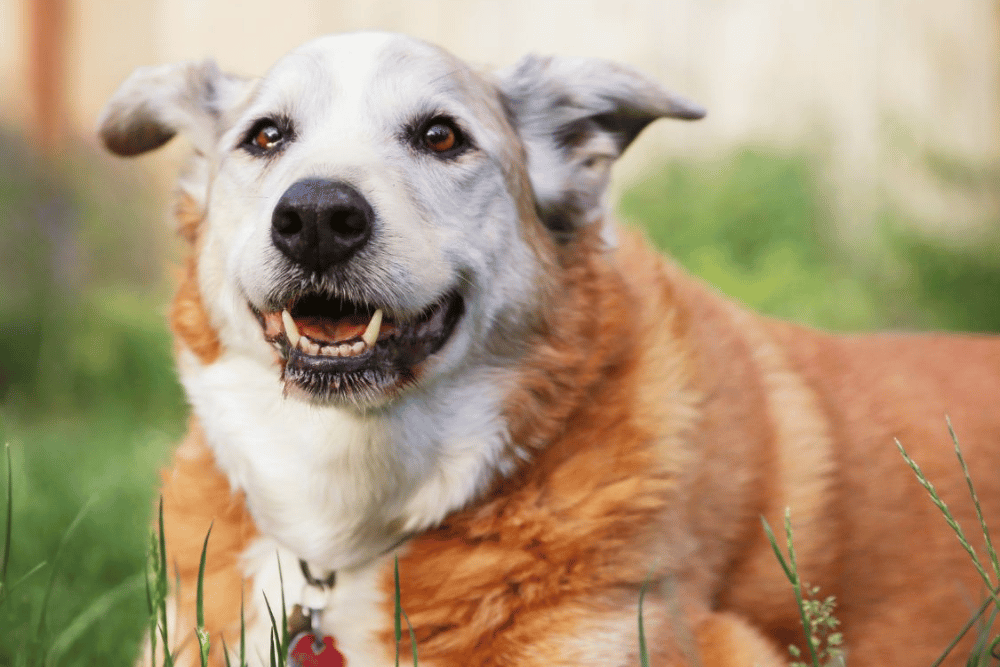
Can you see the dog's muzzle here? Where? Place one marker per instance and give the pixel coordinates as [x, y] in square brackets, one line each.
[335, 347]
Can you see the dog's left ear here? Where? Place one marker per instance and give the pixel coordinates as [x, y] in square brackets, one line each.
[575, 117]
[196, 99]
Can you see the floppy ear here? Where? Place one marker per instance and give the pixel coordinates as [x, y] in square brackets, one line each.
[575, 117]
[155, 103]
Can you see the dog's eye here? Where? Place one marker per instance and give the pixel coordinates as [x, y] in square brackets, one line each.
[266, 136]
[440, 137]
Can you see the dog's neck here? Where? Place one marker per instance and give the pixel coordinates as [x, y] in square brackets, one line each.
[339, 488]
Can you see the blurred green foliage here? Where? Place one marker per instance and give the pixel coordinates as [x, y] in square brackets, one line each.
[91, 404]
[88, 401]
[757, 226]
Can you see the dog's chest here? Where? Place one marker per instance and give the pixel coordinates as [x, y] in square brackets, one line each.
[337, 488]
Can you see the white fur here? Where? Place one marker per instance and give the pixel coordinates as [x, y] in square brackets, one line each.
[327, 483]
[341, 486]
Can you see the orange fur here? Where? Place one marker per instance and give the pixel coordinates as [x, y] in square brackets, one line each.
[662, 421]
[188, 317]
[197, 496]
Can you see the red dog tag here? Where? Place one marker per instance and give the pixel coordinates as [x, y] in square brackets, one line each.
[302, 653]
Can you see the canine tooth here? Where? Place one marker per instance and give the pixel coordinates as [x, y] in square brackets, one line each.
[291, 330]
[358, 347]
[371, 333]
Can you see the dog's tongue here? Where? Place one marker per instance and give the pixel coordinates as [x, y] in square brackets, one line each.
[326, 330]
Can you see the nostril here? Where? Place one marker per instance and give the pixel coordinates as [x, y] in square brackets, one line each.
[287, 222]
[348, 222]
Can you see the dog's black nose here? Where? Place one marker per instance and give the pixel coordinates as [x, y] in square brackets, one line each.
[319, 223]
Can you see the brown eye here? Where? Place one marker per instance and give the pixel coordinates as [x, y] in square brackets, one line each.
[267, 137]
[440, 137]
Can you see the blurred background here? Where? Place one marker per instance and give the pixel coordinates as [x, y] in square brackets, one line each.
[847, 175]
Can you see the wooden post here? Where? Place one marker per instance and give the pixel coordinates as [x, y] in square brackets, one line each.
[46, 40]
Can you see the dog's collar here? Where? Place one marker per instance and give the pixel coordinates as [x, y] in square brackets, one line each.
[329, 581]
[306, 620]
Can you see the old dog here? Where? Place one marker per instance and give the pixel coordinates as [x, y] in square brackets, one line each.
[410, 333]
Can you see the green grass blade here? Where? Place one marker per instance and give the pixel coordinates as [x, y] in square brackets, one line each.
[97, 610]
[225, 653]
[276, 648]
[950, 519]
[399, 616]
[792, 573]
[285, 638]
[991, 551]
[8, 525]
[161, 587]
[243, 631]
[204, 641]
[151, 608]
[398, 611]
[643, 651]
[273, 654]
[961, 633]
[27, 575]
[777, 551]
[40, 629]
[413, 638]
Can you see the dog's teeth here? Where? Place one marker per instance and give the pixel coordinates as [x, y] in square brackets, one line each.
[291, 330]
[345, 349]
[371, 333]
[308, 346]
[328, 350]
[358, 347]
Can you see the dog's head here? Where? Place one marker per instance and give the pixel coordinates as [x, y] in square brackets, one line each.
[378, 212]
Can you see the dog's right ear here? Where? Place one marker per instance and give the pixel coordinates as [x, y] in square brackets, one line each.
[155, 103]
[575, 117]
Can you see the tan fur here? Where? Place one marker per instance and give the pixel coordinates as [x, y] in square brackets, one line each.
[662, 421]
[188, 318]
[651, 424]
[197, 496]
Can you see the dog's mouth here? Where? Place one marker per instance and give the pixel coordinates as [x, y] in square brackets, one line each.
[339, 350]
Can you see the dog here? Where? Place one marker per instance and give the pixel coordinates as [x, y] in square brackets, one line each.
[412, 336]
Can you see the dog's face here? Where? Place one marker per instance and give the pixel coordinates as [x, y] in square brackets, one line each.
[376, 212]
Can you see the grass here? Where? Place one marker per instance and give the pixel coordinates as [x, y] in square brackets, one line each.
[819, 623]
[90, 403]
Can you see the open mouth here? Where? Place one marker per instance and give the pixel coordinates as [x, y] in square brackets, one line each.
[337, 349]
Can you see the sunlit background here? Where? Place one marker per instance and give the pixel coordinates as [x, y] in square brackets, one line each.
[847, 175]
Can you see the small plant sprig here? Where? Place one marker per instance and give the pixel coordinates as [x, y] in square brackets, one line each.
[986, 650]
[157, 591]
[818, 622]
